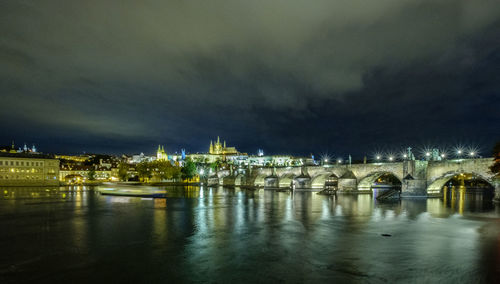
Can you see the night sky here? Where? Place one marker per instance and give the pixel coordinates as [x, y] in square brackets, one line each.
[294, 77]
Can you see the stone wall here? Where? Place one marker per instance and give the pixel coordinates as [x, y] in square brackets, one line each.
[414, 188]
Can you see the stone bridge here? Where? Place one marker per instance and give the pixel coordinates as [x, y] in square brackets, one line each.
[418, 178]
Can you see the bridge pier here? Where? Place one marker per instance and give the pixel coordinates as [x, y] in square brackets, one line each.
[213, 180]
[411, 187]
[271, 182]
[303, 182]
[348, 182]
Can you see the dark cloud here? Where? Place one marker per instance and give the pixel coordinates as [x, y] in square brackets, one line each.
[287, 76]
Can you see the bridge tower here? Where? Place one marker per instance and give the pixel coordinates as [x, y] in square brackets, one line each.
[414, 176]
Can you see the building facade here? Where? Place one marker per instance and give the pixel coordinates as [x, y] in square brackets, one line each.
[28, 170]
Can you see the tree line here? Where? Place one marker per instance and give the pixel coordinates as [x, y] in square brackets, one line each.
[162, 170]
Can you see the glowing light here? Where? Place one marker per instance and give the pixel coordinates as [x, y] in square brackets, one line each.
[390, 158]
[405, 156]
[472, 154]
[339, 161]
[443, 155]
[427, 154]
[326, 160]
[201, 172]
[459, 152]
[378, 157]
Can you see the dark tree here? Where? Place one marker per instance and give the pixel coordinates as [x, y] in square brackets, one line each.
[123, 171]
[189, 169]
[144, 170]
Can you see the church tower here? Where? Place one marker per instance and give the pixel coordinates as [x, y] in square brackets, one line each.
[13, 149]
[161, 155]
[158, 153]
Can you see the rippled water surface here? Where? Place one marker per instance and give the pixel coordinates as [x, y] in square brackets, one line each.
[223, 235]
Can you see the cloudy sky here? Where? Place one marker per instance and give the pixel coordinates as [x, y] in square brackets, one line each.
[286, 76]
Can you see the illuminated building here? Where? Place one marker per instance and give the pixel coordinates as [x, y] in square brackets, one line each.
[221, 149]
[9, 149]
[161, 155]
[135, 159]
[79, 159]
[80, 174]
[23, 169]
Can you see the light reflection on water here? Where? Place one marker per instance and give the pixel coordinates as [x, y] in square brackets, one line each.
[237, 235]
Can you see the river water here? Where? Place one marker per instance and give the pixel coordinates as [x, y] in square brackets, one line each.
[219, 235]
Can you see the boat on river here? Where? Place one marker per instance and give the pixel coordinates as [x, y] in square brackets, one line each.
[133, 191]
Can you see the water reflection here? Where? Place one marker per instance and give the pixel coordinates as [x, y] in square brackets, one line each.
[226, 235]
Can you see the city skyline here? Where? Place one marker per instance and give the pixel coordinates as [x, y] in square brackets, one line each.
[445, 151]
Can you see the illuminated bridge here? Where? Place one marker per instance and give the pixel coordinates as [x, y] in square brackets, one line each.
[413, 177]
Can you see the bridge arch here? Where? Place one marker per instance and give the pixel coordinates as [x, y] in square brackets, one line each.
[260, 180]
[319, 180]
[286, 180]
[367, 183]
[435, 187]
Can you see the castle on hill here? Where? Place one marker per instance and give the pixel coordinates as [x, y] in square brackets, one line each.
[219, 148]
